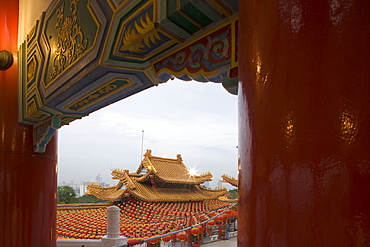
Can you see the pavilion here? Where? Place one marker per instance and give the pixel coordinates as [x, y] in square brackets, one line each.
[160, 197]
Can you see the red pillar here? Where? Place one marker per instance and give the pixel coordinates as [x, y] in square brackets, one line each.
[27, 179]
[304, 107]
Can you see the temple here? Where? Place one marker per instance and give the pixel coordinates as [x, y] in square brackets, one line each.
[162, 196]
[158, 179]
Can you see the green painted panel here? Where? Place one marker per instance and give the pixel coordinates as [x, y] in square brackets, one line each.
[179, 19]
[71, 31]
[196, 15]
[207, 11]
[184, 23]
[168, 23]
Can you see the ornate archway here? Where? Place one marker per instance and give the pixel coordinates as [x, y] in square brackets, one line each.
[84, 55]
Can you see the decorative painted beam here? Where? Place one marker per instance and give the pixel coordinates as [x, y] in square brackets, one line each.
[83, 55]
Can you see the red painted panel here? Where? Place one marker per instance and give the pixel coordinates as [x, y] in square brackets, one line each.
[304, 123]
[27, 179]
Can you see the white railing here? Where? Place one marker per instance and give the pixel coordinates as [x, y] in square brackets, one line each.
[79, 242]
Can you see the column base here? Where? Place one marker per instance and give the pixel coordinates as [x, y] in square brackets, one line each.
[110, 242]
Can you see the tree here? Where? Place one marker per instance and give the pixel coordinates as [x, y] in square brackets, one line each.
[232, 194]
[89, 199]
[66, 194]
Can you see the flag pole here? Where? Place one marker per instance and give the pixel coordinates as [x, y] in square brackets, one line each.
[142, 144]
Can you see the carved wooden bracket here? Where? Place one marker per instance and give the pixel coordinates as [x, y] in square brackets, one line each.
[83, 55]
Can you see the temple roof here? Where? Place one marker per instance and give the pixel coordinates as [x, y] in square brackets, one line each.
[106, 193]
[158, 180]
[230, 180]
[145, 192]
[170, 170]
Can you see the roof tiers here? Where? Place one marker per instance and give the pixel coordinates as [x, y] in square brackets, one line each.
[138, 219]
[158, 180]
[145, 192]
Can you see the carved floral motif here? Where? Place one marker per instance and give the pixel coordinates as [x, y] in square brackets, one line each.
[71, 42]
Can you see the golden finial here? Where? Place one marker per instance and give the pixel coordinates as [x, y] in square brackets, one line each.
[179, 158]
[148, 153]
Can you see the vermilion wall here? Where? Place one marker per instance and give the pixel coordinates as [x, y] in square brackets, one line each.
[27, 179]
[304, 103]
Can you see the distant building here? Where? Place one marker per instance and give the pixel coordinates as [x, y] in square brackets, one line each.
[83, 186]
[155, 180]
[98, 179]
[219, 183]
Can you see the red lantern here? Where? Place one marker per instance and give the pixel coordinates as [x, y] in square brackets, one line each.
[211, 222]
[195, 231]
[211, 214]
[154, 241]
[167, 238]
[220, 218]
[181, 236]
[202, 217]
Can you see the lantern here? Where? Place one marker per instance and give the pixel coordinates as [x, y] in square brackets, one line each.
[167, 238]
[195, 231]
[181, 236]
[211, 214]
[211, 222]
[220, 218]
[202, 217]
[154, 241]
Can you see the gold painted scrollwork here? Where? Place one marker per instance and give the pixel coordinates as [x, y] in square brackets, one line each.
[71, 43]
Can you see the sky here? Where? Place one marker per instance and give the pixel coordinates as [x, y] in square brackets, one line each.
[196, 120]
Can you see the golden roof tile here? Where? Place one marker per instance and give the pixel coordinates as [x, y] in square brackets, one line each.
[171, 170]
[145, 192]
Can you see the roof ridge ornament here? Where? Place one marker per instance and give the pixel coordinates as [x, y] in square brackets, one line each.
[148, 153]
[179, 158]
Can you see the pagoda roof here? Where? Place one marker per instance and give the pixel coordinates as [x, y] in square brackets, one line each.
[144, 191]
[230, 180]
[170, 170]
[112, 193]
[158, 179]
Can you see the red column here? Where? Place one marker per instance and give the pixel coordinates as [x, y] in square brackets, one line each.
[304, 103]
[27, 179]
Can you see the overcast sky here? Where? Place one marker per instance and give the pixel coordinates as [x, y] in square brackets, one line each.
[196, 120]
